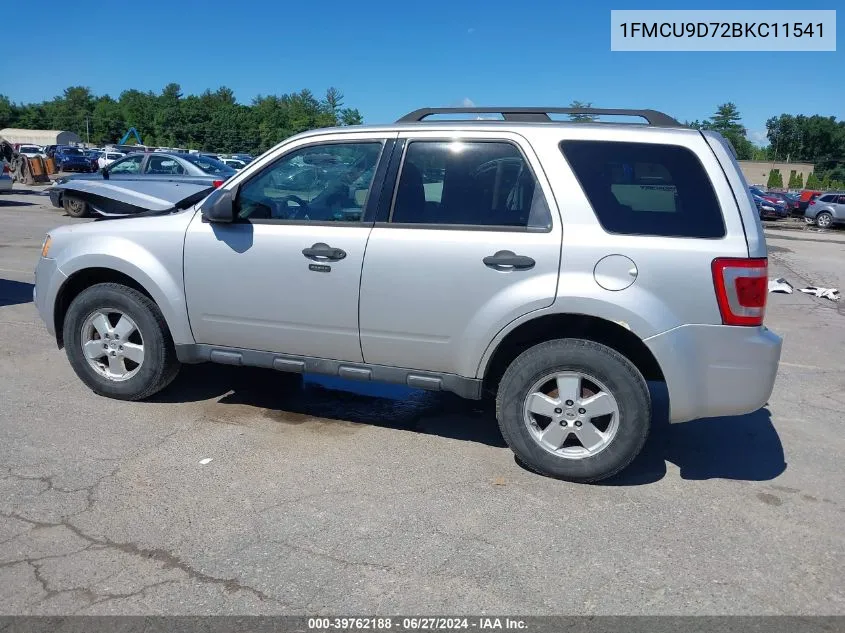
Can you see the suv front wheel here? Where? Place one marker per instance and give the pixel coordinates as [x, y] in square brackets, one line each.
[75, 207]
[574, 409]
[118, 343]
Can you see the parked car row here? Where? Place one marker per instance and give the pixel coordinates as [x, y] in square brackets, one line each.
[823, 209]
[770, 205]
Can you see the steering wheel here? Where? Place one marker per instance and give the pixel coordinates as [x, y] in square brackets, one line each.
[302, 206]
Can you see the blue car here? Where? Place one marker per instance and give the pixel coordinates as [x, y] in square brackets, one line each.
[72, 159]
[767, 206]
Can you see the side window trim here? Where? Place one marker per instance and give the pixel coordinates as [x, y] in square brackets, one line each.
[373, 197]
[385, 218]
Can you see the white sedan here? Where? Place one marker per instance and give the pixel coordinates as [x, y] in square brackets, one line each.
[107, 158]
[31, 151]
[234, 163]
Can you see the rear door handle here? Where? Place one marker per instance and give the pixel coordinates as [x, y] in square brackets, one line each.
[323, 252]
[508, 260]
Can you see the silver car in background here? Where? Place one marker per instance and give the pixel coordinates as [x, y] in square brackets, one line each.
[826, 210]
[179, 168]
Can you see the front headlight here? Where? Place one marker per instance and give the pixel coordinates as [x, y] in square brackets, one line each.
[45, 246]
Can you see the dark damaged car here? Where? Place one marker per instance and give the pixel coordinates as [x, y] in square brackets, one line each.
[184, 169]
[132, 198]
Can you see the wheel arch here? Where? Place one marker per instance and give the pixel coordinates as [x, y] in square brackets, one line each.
[547, 326]
[85, 277]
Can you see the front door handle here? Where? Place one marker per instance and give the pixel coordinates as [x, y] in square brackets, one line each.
[508, 260]
[323, 252]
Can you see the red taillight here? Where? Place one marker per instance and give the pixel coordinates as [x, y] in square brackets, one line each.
[812, 202]
[217, 183]
[741, 289]
[6, 169]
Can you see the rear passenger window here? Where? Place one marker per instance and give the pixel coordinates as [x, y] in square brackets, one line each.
[646, 189]
[469, 183]
[826, 198]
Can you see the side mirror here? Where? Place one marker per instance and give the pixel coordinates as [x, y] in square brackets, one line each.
[220, 206]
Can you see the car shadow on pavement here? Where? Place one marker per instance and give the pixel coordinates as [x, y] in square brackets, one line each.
[285, 399]
[15, 203]
[14, 292]
[30, 192]
[745, 447]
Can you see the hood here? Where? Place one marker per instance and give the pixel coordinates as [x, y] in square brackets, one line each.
[132, 197]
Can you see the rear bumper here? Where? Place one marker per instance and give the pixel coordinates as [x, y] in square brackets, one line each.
[48, 280]
[716, 370]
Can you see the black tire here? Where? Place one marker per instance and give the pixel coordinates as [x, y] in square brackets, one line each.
[621, 377]
[160, 365]
[75, 207]
[827, 222]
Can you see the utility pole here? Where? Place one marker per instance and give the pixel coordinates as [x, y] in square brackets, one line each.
[87, 131]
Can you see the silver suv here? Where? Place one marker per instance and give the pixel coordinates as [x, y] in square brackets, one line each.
[554, 266]
[826, 210]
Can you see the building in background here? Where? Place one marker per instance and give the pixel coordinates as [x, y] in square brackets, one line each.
[40, 137]
[756, 172]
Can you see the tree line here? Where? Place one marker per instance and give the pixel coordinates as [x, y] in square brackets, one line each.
[792, 138]
[215, 121]
[211, 121]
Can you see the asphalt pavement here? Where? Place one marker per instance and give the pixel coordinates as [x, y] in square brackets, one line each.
[337, 498]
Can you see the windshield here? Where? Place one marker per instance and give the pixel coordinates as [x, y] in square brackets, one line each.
[72, 151]
[210, 165]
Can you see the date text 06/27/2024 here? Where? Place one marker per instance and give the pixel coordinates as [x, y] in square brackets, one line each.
[400, 625]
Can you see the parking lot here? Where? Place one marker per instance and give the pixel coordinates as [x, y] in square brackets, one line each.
[342, 498]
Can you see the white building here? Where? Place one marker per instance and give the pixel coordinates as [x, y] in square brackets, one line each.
[40, 137]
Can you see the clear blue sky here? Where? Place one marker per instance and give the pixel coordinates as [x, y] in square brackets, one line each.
[392, 57]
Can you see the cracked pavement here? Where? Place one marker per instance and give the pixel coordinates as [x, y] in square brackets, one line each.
[363, 499]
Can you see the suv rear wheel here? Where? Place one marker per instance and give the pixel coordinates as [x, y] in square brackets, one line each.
[118, 343]
[824, 220]
[574, 409]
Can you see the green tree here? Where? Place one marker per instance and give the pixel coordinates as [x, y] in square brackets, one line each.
[775, 180]
[760, 153]
[6, 112]
[796, 180]
[107, 122]
[212, 121]
[813, 181]
[727, 121]
[582, 118]
[837, 185]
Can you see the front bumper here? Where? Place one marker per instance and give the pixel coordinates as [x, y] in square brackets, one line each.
[716, 370]
[48, 279]
[56, 197]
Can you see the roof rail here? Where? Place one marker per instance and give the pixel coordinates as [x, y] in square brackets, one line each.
[541, 114]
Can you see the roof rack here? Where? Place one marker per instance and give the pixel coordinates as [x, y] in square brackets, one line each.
[540, 114]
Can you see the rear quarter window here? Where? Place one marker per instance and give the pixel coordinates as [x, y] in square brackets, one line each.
[646, 188]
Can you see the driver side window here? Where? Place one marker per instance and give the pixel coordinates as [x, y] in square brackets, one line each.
[319, 183]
